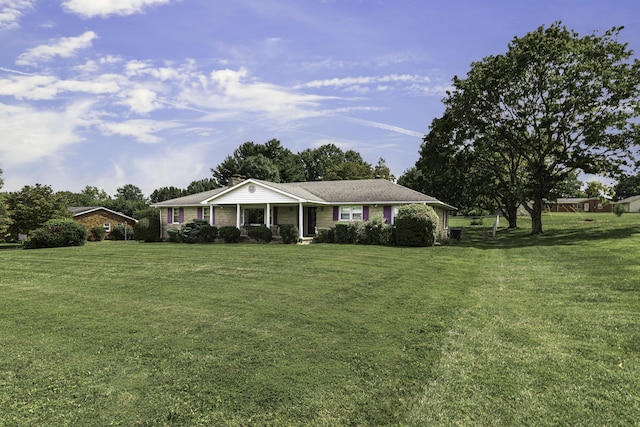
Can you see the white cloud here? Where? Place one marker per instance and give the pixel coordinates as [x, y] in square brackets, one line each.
[385, 126]
[141, 100]
[48, 87]
[29, 134]
[65, 47]
[105, 8]
[11, 11]
[142, 130]
[365, 80]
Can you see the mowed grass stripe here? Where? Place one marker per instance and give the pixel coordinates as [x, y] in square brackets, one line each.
[520, 330]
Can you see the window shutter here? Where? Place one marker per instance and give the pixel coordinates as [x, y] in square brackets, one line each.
[199, 213]
[336, 213]
[365, 213]
[386, 211]
[213, 215]
[169, 215]
[181, 215]
[275, 215]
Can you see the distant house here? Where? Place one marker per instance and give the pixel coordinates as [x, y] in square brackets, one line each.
[585, 204]
[97, 216]
[307, 205]
[630, 204]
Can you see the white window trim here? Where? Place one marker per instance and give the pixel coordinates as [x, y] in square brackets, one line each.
[107, 227]
[351, 213]
[175, 216]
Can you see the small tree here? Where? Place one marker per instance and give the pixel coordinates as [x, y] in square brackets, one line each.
[416, 225]
[618, 209]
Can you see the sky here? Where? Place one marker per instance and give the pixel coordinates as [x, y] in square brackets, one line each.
[155, 93]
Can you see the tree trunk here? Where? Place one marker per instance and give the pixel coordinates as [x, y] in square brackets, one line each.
[512, 216]
[536, 215]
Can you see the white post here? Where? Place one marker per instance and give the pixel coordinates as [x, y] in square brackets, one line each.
[268, 216]
[301, 220]
[238, 216]
[210, 214]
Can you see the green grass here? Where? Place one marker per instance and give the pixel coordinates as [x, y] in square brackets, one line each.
[520, 330]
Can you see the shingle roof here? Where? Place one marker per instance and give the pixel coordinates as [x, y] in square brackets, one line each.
[629, 199]
[373, 191]
[81, 210]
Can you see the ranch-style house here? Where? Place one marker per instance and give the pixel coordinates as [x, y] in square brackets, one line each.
[307, 205]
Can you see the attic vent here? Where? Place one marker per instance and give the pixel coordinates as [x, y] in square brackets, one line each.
[252, 189]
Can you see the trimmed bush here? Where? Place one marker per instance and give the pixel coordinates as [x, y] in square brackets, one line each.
[376, 231]
[122, 232]
[173, 235]
[262, 234]
[229, 234]
[346, 233]
[197, 231]
[289, 233]
[98, 234]
[57, 233]
[325, 235]
[416, 225]
[618, 209]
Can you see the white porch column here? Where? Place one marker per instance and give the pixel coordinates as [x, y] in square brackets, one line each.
[268, 216]
[210, 214]
[301, 220]
[238, 216]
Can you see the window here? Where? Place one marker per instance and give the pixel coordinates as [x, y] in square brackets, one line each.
[254, 216]
[205, 213]
[107, 227]
[176, 216]
[350, 213]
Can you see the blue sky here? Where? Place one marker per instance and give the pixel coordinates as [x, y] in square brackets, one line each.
[155, 93]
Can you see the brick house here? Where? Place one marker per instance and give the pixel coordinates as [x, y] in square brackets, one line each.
[98, 216]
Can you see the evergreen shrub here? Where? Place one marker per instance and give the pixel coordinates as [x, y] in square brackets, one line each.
[262, 234]
[57, 233]
[416, 225]
[618, 209]
[289, 233]
[148, 228]
[97, 234]
[346, 233]
[121, 232]
[229, 234]
[325, 235]
[376, 231]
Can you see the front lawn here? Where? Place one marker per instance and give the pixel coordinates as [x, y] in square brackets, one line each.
[520, 330]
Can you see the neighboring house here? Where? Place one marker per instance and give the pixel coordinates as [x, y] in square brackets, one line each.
[630, 204]
[307, 205]
[97, 216]
[590, 204]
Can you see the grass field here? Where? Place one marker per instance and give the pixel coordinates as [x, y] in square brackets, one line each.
[520, 330]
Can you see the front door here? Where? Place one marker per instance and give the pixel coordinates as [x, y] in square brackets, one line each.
[311, 221]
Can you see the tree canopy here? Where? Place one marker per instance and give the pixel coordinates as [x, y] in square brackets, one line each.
[33, 206]
[555, 103]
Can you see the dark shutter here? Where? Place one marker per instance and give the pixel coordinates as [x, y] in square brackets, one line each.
[386, 211]
[336, 213]
[365, 213]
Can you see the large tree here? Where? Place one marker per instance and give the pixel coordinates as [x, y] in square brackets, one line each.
[269, 161]
[553, 104]
[32, 206]
[627, 186]
[5, 220]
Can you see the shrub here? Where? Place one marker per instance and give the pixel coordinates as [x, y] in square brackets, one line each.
[196, 231]
[325, 235]
[476, 221]
[97, 234]
[173, 235]
[122, 232]
[57, 233]
[148, 228]
[416, 225]
[376, 231]
[346, 233]
[289, 233]
[229, 234]
[262, 234]
[618, 209]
